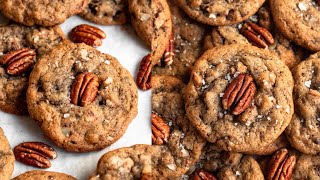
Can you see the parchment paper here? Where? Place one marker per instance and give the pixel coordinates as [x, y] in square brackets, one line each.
[122, 43]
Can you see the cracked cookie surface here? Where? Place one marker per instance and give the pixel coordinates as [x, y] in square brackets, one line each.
[72, 127]
[15, 37]
[303, 131]
[106, 12]
[220, 12]
[267, 115]
[39, 12]
[6, 158]
[43, 175]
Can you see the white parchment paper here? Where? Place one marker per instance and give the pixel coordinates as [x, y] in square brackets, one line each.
[122, 43]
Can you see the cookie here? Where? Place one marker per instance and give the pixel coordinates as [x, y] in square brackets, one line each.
[82, 99]
[43, 13]
[106, 12]
[184, 144]
[43, 175]
[254, 117]
[6, 157]
[220, 12]
[188, 44]
[288, 52]
[298, 20]
[153, 24]
[15, 37]
[307, 167]
[303, 132]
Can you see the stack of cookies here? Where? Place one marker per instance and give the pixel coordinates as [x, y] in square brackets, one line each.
[235, 87]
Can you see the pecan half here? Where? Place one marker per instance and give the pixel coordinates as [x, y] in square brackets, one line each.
[257, 35]
[35, 154]
[281, 165]
[239, 94]
[84, 89]
[201, 174]
[87, 34]
[168, 55]
[144, 73]
[160, 130]
[18, 61]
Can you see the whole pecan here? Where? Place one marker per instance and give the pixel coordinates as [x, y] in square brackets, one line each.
[201, 174]
[87, 34]
[35, 154]
[18, 61]
[84, 89]
[281, 165]
[168, 55]
[257, 35]
[160, 130]
[144, 73]
[239, 94]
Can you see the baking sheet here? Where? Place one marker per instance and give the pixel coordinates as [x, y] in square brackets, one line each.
[122, 43]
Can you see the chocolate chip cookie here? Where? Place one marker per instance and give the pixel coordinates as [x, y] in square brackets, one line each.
[288, 52]
[188, 44]
[220, 12]
[239, 97]
[303, 132]
[43, 175]
[298, 20]
[82, 99]
[43, 13]
[14, 37]
[152, 22]
[6, 157]
[106, 12]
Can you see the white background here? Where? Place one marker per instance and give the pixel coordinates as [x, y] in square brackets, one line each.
[122, 43]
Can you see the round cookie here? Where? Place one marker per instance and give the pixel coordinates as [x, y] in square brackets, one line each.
[152, 22]
[264, 119]
[307, 167]
[15, 37]
[188, 44]
[81, 128]
[303, 131]
[220, 12]
[43, 175]
[6, 158]
[298, 20]
[106, 12]
[39, 12]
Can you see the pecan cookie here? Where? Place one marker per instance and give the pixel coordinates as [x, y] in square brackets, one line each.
[106, 12]
[303, 131]
[43, 175]
[307, 167]
[188, 44]
[298, 20]
[82, 99]
[6, 158]
[239, 97]
[152, 22]
[15, 39]
[288, 52]
[39, 12]
[220, 12]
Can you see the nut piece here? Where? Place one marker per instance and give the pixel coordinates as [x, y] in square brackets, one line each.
[18, 61]
[257, 35]
[201, 174]
[87, 34]
[168, 55]
[160, 130]
[144, 73]
[84, 89]
[239, 94]
[281, 165]
[35, 154]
